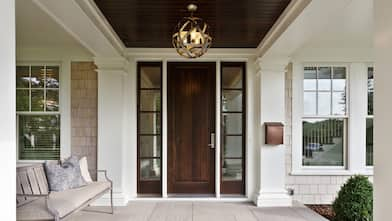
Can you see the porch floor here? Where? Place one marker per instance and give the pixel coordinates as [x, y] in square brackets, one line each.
[197, 211]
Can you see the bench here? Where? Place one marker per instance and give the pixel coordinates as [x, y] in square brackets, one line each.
[35, 201]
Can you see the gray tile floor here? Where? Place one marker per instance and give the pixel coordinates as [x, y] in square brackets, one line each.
[197, 211]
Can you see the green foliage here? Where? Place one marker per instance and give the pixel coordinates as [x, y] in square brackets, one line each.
[355, 200]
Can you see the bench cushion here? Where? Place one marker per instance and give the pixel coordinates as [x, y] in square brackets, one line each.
[65, 202]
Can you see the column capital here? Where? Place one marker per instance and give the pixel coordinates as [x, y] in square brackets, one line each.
[277, 64]
[118, 65]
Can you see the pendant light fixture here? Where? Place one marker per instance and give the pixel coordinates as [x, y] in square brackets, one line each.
[191, 38]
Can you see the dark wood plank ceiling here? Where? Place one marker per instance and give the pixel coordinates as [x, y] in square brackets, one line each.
[233, 23]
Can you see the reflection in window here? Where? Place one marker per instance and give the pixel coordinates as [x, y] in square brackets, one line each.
[323, 142]
[369, 119]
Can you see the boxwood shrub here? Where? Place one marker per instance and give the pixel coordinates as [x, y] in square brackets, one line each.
[355, 200]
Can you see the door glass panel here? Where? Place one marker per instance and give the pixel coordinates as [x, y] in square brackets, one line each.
[232, 123]
[150, 100]
[150, 77]
[150, 123]
[150, 146]
[150, 169]
[232, 77]
[232, 100]
[232, 146]
[232, 169]
[37, 76]
[22, 76]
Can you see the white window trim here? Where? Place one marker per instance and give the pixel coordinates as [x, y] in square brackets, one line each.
[353, 159]
[61, 79]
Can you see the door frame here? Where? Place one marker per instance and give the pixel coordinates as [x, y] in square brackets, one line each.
[249, 180]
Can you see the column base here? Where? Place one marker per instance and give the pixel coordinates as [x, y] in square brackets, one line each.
[273, 199]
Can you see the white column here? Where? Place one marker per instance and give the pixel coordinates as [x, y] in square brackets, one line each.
[7, 109]
[383, 110]
[111, 75]
[272, 190]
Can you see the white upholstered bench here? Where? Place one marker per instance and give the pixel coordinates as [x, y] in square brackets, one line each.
[36, 202]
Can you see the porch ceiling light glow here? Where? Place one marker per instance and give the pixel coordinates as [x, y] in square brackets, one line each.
[191, 38]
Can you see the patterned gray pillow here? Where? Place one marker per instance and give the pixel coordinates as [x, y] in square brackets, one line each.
[64, 176]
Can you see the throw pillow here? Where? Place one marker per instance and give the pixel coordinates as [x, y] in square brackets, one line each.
[64, 176]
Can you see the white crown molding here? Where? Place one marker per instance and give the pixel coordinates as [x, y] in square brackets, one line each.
[285, 19]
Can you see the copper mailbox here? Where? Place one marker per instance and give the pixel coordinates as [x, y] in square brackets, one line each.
[273, 133]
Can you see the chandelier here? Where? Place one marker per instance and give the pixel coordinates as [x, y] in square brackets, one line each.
[191, 38]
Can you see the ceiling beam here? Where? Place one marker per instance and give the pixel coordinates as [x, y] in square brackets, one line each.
[83, 21]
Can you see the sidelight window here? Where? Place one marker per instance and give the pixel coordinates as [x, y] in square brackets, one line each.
[233, 127]
[149, 127]
[369, 118]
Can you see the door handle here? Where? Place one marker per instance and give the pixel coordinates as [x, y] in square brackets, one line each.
[212, 141]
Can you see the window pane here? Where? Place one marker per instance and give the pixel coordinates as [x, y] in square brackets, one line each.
[310, 76]
[150, 123]
[37, 76]
[232, 169]
[370, 90]
[323, 142]
[232, 123]
[369, 142]
[22, 76]
[52, 77]
[232, 77]
[324, 78]
[52, 100]
[39, 137]
[22, 100]
[150, 169]
[150, 100]
[37, 100]
[232, 146]
[150, 146]
[339, 103]
[232, 100]
[339, 78]
[309, 103]
[324, 103]
[150, 77]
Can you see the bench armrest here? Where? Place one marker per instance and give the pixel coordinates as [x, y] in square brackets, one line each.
[105, 172]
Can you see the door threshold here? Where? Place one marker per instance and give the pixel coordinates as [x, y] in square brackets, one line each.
[194, 199]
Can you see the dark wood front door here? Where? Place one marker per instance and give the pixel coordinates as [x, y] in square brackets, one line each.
[191, 120]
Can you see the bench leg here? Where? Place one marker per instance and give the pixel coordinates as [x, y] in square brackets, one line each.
[111, 200]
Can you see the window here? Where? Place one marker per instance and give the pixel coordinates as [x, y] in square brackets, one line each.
[369, 119]
[233, 127]
[38, 116]
[149, 127]
[324, 119]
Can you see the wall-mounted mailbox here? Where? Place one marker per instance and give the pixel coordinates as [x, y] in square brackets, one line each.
[273, 133]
